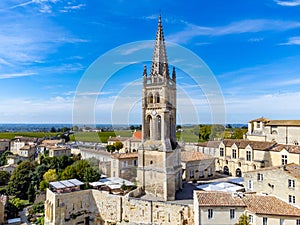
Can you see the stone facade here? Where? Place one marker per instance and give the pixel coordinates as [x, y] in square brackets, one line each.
[159, 155]
[280, 131]
[100, 207]
[281, 181]
[4, 145]
[124, 165]
[234, 157]
[197, 166]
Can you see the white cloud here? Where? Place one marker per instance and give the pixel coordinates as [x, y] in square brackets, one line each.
[292, 41]
[14, 75]
[244, 26]
[290, 3]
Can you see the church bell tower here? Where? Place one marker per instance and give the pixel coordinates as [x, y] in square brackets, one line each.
[159, 169]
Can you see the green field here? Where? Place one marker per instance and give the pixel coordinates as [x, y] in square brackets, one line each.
[79, 136]
[99, 136]
[11, 135]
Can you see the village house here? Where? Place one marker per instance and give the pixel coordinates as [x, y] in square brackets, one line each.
[280, 181]
[124, 165]
[58, 151]
[20, 141]
[197, 166]
[226, 208]
[280, 131]
[130, 144]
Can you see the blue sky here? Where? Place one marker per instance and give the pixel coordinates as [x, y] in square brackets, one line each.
[251, 46]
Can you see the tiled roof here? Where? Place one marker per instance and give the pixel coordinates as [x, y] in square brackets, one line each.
[214, 198]
[51, 142]
[261, 119]
[284, 122]
[118, 139]
[258, 204]
[269, 205]
[137, 135]
[289, 148]
[257, 145]
[193, 156]
[125, 155]
[211, 144]
[292, 169]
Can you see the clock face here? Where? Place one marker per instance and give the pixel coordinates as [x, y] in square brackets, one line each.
[153, 112]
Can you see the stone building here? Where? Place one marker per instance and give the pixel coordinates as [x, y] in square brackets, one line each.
[159, 168]
[58, 151]
[280, 131]
[225, 208]
[20, 141]
[280, 181]
[234, 157]
[124, 165]
[196, 165]
[130, 144]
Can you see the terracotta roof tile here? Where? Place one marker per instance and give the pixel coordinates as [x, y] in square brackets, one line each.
[214, 198]
[261, 119]
[289, 148]
[193, 156]
[125, 155]
[269, 205]
[292, 169]
[211, 144]
[137, 135]
[284, 122]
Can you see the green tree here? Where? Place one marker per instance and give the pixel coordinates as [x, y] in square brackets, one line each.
[69, 173]
[118, 145]
[50, 176]
[243, 220]
[204, 132]
[20, 180]
[91, 175]
[4, 177]
[238, 133]
[3, 156]
[80, 167]
[31, 193]
[110, 148]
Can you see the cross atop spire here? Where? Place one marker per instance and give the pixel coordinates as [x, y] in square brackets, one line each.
[159, 60]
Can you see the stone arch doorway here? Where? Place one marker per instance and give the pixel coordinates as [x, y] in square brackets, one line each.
[238, 172]
[226, 170]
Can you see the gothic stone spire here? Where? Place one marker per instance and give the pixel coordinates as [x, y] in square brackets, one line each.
[159, 60]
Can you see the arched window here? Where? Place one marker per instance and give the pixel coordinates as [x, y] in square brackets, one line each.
[157, 98]
[147, 127]
[158, 128]
[150, 98]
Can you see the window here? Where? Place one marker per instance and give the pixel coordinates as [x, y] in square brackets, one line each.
[210, 213]
[232, 213]
[135, 162]
[201, 174]
[258, 124]
[291, 183]
[234, 153]
[297, 222]
[250, 185]
[265, 221]
[260, 177]
[284, 159]
[292, 199]
[281, 221]
[191, 173]
[251, 219]
[248, 155]
[221, 151]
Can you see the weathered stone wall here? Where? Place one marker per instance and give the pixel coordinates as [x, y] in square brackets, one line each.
[98, 207]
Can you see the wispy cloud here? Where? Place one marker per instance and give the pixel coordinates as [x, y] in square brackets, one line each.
[14, 75]
[290, 3]
[244, 26]
[292, 41]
